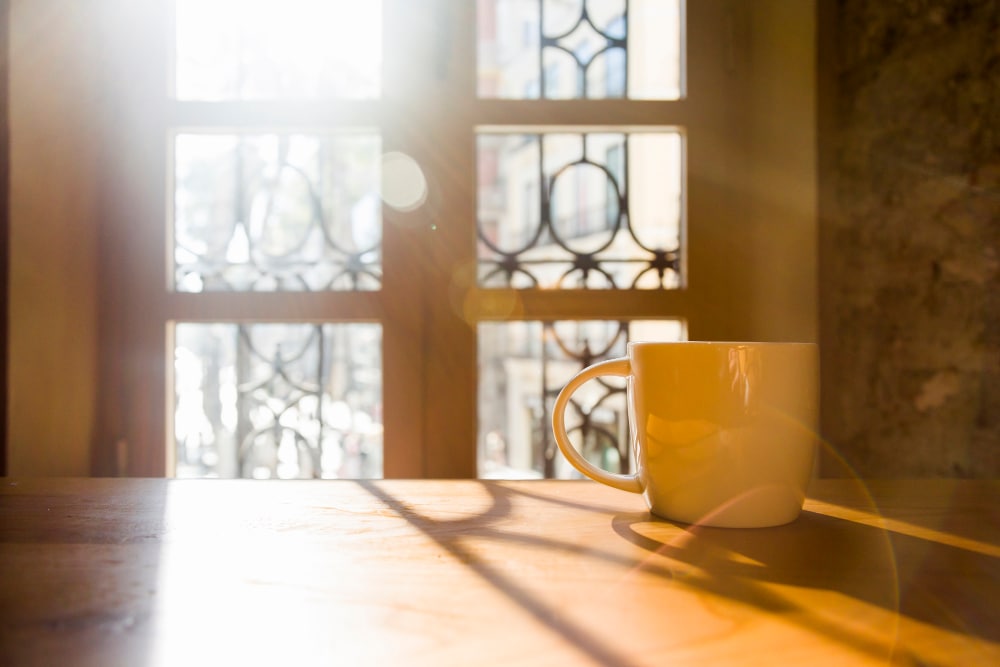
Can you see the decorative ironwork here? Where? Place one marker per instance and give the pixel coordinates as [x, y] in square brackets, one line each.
[590, 39]
[579, 49]
[579, 224]
[524, 365]
[278, 400]
[277, 212]
[607, 441]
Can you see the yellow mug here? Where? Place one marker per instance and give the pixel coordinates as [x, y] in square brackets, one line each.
[724, 434]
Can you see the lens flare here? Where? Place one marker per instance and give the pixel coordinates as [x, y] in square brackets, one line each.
[404, 186]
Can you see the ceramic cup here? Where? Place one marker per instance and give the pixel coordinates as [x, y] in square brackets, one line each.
[724, 434]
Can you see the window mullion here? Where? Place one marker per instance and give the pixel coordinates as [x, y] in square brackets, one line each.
[716, 232]
[446, 147]
[429, 361]
[131, 435]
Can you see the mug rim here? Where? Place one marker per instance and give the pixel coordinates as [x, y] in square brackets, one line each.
[721, 343]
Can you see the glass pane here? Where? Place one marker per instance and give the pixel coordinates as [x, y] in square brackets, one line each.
[579, 49]
[598, 210]
[274, 49]
[522, 367]
[278, 400]
[267, 212]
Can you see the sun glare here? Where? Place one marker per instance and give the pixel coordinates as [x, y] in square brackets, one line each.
[274, 49]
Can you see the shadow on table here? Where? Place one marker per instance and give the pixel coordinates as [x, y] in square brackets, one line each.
[449, 534]
[924, 580]
[890, 571]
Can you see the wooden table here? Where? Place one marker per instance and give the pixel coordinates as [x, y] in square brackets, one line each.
[157, 572]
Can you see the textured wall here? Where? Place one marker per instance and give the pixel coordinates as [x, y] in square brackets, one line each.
[911, 252]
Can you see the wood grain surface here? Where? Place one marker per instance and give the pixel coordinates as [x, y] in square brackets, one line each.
[167, 572]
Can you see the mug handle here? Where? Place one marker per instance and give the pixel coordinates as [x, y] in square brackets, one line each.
[619, 367]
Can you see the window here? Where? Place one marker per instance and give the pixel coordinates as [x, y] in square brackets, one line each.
[391, 230]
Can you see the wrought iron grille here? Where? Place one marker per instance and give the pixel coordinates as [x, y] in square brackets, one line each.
[524, 365]
[579, 49]
[594, 41]
[605, 440]
[586, 210]
[278, 400]
[277, 212]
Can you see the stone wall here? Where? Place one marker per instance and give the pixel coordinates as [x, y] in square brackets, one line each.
[910, 256]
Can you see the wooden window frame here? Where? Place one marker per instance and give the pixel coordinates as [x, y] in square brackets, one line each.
[4, 228]
[429, 350]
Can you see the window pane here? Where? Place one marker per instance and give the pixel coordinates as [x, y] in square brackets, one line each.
[274, 49]
[579, 49]
[268, 212]
[278, 400]
[522, 367]
[600, 210]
